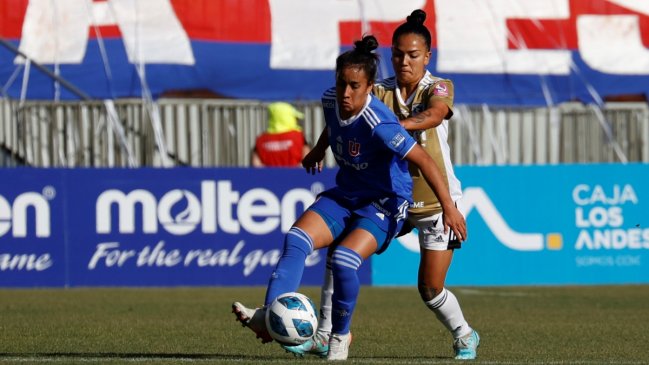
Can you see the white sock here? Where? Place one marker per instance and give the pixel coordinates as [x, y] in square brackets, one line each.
[448, 311]
[327, 291]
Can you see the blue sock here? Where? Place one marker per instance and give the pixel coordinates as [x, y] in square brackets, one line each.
[345, 264]
[288, 272]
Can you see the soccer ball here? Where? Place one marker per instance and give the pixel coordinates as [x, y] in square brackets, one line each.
[291, 319]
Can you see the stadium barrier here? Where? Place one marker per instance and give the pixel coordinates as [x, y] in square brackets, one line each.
[528, 225]
[221, 133]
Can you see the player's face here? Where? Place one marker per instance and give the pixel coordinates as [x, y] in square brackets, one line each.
[352, 88]
[410, 55]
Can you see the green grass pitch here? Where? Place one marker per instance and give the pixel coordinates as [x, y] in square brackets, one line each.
[518, 325]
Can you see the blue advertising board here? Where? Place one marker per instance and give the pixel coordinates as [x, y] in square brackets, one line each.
[528, 225]
[538, 225]
[151, 227]
[32, 234]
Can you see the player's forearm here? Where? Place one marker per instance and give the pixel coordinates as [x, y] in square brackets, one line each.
[323, 143]
[433, 116]
[427, 119]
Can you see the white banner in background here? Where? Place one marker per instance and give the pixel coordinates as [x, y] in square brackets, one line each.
[57, 31]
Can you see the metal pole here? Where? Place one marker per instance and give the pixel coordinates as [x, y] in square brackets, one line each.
[46, 71]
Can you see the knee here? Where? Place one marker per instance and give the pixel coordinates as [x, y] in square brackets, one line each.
[427, 293]
[297, 239]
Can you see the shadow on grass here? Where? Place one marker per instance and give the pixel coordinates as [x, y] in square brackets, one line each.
[124, 356]
[181, 356]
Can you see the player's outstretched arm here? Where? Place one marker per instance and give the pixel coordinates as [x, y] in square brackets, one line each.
[313, 161]
[453, 219]
[429, 118]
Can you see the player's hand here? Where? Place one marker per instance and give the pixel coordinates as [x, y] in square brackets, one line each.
[312, 163]
[454, 220]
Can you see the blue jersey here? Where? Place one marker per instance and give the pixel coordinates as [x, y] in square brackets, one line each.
[369, 148]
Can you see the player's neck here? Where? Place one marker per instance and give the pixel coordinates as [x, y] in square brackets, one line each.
[407, 90]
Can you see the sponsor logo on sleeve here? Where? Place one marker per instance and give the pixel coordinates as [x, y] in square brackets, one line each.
[397, 140]
[441, 89]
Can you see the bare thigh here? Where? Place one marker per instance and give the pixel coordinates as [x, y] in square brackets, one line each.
[360, 241]
[313, 224]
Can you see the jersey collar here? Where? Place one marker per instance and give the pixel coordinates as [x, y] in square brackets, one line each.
[397, 90]
[352, 119]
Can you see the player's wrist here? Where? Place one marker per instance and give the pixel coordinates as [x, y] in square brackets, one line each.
[448, 206]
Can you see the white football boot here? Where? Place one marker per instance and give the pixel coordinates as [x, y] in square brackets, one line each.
[339, 346]
[253, 319]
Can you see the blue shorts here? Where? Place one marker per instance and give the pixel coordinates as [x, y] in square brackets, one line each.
[373, 217]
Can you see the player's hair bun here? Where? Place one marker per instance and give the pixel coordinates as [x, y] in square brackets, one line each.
[361, 56]
[417, 17]
[367, 44]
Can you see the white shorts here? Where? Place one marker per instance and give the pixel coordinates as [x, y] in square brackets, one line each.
[431, 233]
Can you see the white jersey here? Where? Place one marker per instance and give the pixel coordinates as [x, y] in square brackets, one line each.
[434, 140]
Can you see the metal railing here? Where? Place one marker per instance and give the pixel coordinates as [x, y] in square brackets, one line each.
[208, 132]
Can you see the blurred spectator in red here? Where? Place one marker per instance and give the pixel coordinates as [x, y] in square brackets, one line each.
[283, 144]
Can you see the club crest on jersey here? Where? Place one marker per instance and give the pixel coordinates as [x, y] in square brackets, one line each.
[441, 89]
[354, 148]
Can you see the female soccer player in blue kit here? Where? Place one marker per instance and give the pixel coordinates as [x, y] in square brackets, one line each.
[369, 203]
[423, 103]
